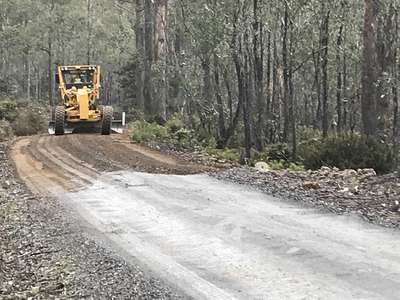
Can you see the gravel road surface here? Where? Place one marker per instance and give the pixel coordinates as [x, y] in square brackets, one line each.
[210, 238]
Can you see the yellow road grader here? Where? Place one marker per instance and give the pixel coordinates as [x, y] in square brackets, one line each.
[79, 107]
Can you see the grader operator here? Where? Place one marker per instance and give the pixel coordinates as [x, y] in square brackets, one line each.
[79, 108]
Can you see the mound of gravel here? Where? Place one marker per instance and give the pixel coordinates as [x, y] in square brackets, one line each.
[44, 254]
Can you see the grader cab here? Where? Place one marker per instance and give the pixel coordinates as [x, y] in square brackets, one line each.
[79, 107]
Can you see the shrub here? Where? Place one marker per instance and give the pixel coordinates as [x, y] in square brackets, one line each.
[278, 152]
[306, 133]
[296, 167]
[133, 115]
[277, 165]
[175, 124]
[273, 152]
[30, 120]
[142, 131]
[347, 152]
[210, 142]
[6, 131]
[225, 154]
[184, 139]
[8, 110]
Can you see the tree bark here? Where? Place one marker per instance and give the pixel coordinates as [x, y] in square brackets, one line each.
[325, 79]
[148, 61]
[369, 68]
[220, 104]
[258, 52]
[344, 93]
[89, 30]
[139, 72]
[247, 109]
[161, 52]
[286, 121]
[339, 81]
[292, 116]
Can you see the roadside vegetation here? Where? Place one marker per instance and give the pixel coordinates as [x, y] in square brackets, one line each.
[18, 118]
[350, 151]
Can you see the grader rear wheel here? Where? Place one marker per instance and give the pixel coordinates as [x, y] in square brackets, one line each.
[59, 116]
[107, 116]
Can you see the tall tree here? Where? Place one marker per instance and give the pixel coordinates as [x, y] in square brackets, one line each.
[160, 53]
[148, 59]
[258, 52]
[369, 68]
[325, 78]
[139, 43]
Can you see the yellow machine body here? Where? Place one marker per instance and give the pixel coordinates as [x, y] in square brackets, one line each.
[79, 109]
[79, 87]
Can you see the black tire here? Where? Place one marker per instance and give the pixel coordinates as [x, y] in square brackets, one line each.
[59, 120]
[106, 120]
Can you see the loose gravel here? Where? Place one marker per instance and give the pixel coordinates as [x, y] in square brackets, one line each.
[373, 198]
[45, 255]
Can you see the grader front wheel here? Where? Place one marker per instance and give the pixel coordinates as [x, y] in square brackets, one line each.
[59, 116]
[107, 116]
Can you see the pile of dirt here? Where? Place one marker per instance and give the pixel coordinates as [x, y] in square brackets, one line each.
[362, 192]
[117, 152]
[45, 255]
[198, 157]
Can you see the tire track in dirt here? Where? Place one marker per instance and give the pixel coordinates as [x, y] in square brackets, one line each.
[71, 162]
[40, 176]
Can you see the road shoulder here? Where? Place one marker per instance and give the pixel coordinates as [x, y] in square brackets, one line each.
[44, 254]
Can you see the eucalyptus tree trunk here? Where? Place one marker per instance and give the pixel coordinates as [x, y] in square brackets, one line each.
[345, 93]
[274, 94]
[369, 68]
[247, 121]
[139, 43]
[50, 54]
[89, 30]
[148, 60]
[29, 81]
[268, 113]
[395, 91]
[161, 51]
[258, 52]
[220, 104]
[339, 81]
[325, 79]
[50, 69]
[285, 31]
[292, 116]
[386, 35]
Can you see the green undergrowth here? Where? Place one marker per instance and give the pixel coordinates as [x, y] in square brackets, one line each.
[343, 152]
[348, 152]
[21, 118]
[224, 154]
[177, 135]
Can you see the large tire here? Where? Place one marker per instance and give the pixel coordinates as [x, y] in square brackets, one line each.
[106, 120]
[59, 120]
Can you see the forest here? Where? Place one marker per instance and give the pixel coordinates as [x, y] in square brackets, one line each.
[305, 81]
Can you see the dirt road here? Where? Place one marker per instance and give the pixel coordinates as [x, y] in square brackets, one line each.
[213, 240]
